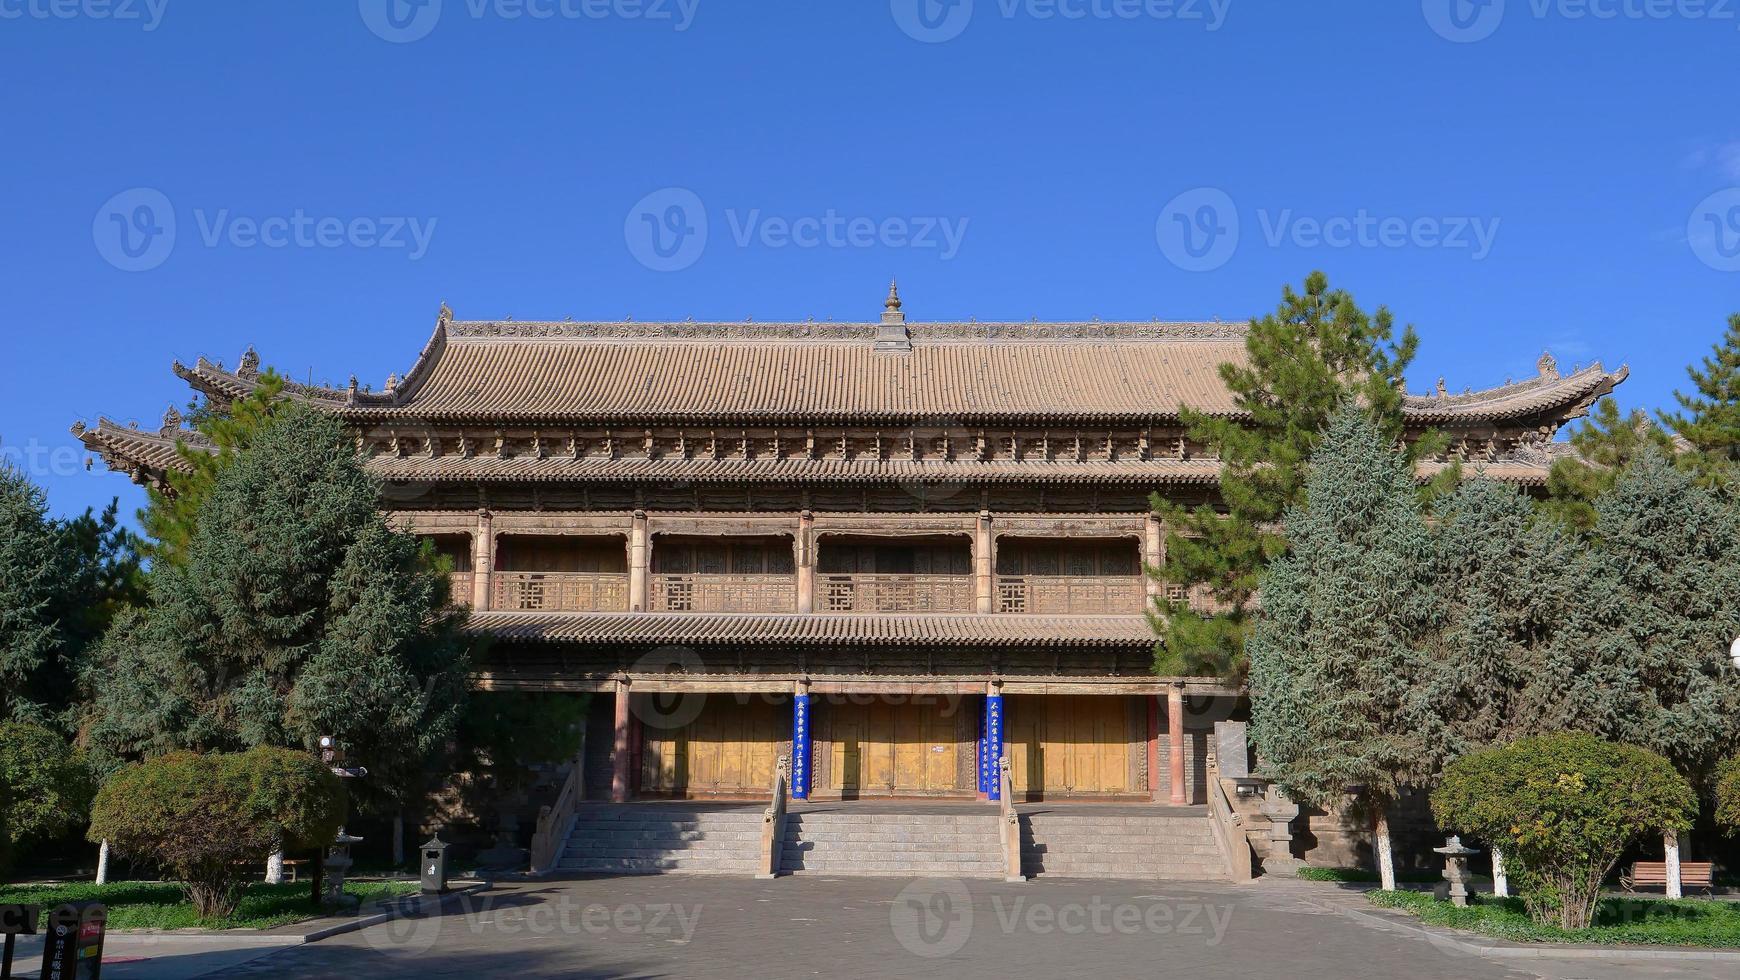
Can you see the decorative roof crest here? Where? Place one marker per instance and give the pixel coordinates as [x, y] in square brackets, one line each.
[1549, 368]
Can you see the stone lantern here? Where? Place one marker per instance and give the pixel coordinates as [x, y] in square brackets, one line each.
[1456, 869]
[338, 861]
[1280, 809]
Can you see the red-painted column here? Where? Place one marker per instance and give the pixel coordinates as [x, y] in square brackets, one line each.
[619, 749]
[1175, 738]
[1153, 748]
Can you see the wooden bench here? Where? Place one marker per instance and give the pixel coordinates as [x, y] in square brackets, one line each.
[1653, 874]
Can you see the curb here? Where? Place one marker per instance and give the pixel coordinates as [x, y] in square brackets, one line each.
[398, 909]
[1545, 951]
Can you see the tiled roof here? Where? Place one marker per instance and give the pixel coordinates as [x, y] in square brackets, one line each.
[126, 447]
[816, 630]
[825, 372]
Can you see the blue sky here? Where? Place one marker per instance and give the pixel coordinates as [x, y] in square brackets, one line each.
[1528, 175]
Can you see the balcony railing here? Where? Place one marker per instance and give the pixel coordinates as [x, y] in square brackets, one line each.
[895, 593]
[723, 593]
[1071, 594]
[460, 583]
[559, 591]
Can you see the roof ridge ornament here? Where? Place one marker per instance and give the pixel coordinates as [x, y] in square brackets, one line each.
[250, 365]
[892, 337]
[171, 422]
[1549, 367]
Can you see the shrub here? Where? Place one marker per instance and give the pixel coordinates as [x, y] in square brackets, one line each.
[45, 786]
[1563, 808]
[202, 816]
[1728, 794]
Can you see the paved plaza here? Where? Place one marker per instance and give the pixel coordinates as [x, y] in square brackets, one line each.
[727, 927]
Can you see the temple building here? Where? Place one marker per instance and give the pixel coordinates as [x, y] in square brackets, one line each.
[888, 551]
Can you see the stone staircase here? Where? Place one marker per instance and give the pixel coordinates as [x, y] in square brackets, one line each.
[856, 840]
[641, 838]
[1161, 843]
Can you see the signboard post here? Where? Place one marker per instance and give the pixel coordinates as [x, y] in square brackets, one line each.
[15, 921]
[74, 942]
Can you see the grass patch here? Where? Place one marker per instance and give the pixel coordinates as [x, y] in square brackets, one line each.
[160, 905]
[1618, 921]
[1362, 875]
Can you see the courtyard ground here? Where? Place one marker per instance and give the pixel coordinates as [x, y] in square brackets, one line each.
[728, 927]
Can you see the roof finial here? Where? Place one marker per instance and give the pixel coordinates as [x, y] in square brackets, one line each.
[892, 335]
[1549, 367]
[445, 315]
[893, 302]
[171, 422]
[250, 365]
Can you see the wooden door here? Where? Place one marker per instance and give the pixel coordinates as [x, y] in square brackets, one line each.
[730, 749]
[888, 748]
[1073, 745]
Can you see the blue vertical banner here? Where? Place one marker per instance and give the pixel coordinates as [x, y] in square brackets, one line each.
[800, 746]
[994, 744]
[984, 756]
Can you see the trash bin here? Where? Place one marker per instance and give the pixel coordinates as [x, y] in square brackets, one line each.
[434, 866]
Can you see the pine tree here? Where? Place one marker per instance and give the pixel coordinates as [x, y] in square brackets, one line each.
[1340, 677]
[1606, 444]
[33, 567]
[1316, 352]
[1711, 418]
[171, 515]
[1670, 554]
[296, 613]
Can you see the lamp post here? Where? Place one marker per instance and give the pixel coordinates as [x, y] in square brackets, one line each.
[330, 866]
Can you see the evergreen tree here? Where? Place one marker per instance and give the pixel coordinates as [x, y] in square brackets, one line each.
[1606, 444]
[1670, 556]
[1316, 352]
[296, 612]
[171, 515]
[33, 569]
[1710, 422]
[1341, 680]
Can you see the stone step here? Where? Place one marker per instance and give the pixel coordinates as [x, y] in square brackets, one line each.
[594, 832]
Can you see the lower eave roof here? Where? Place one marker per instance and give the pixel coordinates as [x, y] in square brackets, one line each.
[822, 629]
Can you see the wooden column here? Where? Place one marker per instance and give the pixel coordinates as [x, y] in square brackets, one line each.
[1153, 749]
[638, 548]
[804, 550]
[482, 560]
[1153, 553]
[984, 564]
[620, 747]
[1175, 738]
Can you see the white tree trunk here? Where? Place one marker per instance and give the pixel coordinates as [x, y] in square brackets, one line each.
[1386, 861]
[398, 839]
[1671, 840]
[1500, 880]
[275, 867]
[103, 863]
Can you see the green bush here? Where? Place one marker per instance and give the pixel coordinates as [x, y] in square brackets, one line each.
[1562, 808]
[45, 786]
[203, 817]
[1728, 794]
